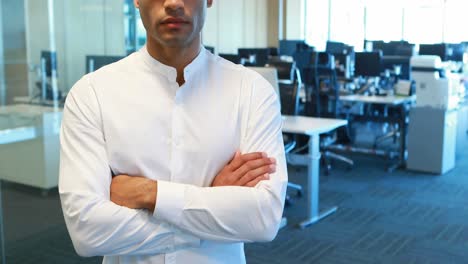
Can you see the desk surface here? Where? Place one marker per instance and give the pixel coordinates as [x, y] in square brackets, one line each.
[388, 100]
[28, 109]
[310, 125]
[34, 101]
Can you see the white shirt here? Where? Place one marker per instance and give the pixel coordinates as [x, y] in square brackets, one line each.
[131, 117]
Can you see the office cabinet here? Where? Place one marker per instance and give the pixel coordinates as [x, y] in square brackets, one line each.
[431, 140]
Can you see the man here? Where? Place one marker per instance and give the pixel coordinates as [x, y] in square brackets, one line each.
[152, 169]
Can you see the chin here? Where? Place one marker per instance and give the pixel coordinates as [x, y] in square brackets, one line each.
[175, 42]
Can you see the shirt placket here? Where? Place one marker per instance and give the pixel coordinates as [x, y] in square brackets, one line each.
[176, 144]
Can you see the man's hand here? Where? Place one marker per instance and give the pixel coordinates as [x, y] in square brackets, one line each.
[245, 170]
[134, 192]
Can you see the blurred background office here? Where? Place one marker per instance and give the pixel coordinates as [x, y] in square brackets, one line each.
[391, 73]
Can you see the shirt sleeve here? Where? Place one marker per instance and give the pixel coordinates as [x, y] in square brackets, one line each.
[96, 225]
[232, 213]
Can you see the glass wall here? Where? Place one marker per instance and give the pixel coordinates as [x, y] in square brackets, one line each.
[44, 47]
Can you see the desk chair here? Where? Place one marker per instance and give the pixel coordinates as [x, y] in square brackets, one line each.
[318, 68]
[270, 74]
[288, 93]
[48, 64]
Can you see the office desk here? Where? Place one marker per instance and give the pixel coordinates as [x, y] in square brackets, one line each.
[36, 101]
[29, 145]
[402, 104]
[383, 100]
[312, 127]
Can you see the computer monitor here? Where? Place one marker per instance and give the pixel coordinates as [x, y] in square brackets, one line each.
[405, 49]
[273, 51]
[401, 62]
[234, 58]
[288, 47]
[455, 52]
[254, 56]
[434, 49]
[374, 45]
[94, 62]
[368, 64]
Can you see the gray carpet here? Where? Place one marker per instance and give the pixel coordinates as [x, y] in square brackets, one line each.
[399, 217]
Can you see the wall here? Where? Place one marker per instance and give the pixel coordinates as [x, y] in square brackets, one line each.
[294, 19]
[242, 23]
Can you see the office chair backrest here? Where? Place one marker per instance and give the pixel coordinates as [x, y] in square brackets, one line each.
[323, 60]
[270, 74]
[304, 59]
[285, 69]
[289, 98]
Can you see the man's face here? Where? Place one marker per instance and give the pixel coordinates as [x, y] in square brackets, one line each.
[173, 23]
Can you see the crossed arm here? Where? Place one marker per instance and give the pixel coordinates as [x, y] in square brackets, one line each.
[103, 218]
[245, 170]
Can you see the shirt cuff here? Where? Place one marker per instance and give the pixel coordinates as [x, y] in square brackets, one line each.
[169, 201]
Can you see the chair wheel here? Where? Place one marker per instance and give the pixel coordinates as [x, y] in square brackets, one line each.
[327, 169]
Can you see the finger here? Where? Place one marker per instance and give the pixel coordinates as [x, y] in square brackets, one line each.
[236, 155]
[257, 180]
[252, 165]
[242, 159]
[255, 173]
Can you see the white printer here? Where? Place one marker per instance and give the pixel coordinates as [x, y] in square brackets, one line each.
[433, 121]
[435, 86]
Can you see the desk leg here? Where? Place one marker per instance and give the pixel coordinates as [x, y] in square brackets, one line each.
[403, 111]
[313, 181]
[2, 240]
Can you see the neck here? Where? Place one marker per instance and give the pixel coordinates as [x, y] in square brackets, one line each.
[177, 57]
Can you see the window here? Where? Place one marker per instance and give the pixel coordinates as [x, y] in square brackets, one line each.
[424, 22]
[347, 22]
[317, 23]
[384, 21]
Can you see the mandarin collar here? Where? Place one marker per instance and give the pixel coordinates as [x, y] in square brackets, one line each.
[171, 72]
